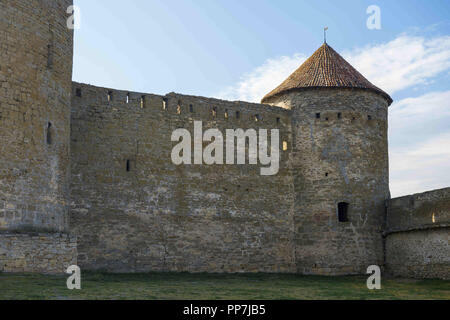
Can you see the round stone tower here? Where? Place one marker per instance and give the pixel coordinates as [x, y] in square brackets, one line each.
[339, 160]
[35, 87]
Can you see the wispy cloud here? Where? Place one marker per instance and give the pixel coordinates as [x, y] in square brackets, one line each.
[403, 62]
[253, 86]
[393, 66]
[419, 132]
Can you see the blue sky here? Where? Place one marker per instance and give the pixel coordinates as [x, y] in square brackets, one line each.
[240, 50]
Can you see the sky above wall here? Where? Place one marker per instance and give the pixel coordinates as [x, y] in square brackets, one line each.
[242, 49]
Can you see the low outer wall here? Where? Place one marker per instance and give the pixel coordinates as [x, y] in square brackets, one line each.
[417, 237]
[40, 253]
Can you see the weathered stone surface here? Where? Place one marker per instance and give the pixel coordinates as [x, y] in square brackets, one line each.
[35, 86]
[418, 235]
[41, 253]
[340, 154]
[159, 216]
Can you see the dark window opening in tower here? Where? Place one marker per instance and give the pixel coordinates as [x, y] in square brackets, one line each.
[49, 133]
[317, 115]
[179, 107]
[226, 114]
[343, 211]
[214, 112]
[142, 102]
[128, 98]
[278, 120]
[191, 108]
[257, 118]
[110, 96]
[78, 92]
[339, 115]
[369, 117]
[238, 115]
[128, 165]
[165, 103]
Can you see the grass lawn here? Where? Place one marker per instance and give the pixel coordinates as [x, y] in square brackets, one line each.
[160, 286]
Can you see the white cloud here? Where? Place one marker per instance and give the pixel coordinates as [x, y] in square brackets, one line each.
[403, 62]
[393, 66]
[419, 143]
[422, 167]
[256, 84]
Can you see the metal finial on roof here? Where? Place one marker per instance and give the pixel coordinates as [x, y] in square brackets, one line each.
[325, 34]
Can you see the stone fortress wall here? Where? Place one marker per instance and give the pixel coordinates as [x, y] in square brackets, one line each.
[134, 210]
[86, 176]
[36, 49]
[418, 235]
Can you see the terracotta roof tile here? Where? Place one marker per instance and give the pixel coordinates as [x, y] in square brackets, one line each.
[325, 69]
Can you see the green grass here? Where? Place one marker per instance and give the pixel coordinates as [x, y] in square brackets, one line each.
[182, 286]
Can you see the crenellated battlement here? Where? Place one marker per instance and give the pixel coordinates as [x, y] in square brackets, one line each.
[183, 106]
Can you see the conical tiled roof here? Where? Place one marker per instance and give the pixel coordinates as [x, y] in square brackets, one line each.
[325, 69]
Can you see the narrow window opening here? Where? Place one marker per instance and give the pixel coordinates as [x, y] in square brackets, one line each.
[128, 165]
[128, 98]
[226, 114]
[50, 56]
[78, 92]
[49, 133]
[142, 102]
[343, 211]
[191, 108]
[326, 119]
[178, 109]
[257, 118]
[278, 120]
[214, 112]
[326, 174]
[238, 115]
[165, 103]
[339, 115]
[110, 96]
[369, 117]
[317, 115]
[285, 145]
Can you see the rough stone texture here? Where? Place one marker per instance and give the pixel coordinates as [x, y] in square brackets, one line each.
[424, 210]
[42, 253]
[340, 157]
[133, 210]
[159, 216]
[35, 85]
[418, 235]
